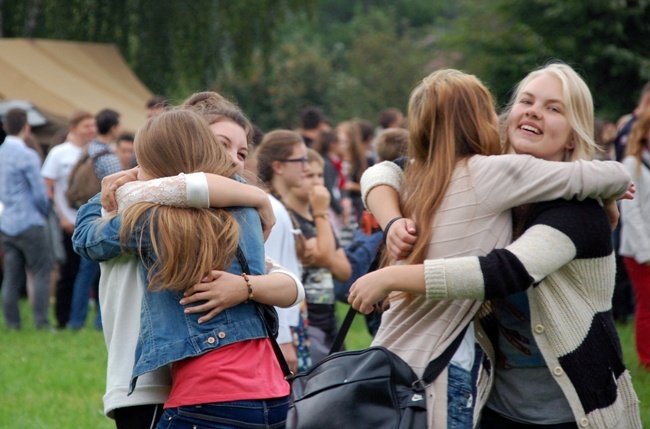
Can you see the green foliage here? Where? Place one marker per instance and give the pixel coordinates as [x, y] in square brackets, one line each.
[351, 70]
[384, 65]
[297, 74]
[173, 46]
[351, 57]
[502, 40]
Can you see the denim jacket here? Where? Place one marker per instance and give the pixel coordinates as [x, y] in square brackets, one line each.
[167, 334]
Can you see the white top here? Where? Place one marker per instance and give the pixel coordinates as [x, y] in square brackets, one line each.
[57, 167]
[281, 247]
[120, 298]
[635, 214]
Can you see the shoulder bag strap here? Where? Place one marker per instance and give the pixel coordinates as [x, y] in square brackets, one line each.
[343, 331]
[436, 366]
[433, 369]
[276, 348]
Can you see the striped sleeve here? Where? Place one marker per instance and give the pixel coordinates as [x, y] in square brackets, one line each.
[553, 241]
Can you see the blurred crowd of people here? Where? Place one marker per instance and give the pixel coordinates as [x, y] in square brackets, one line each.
[346, 150]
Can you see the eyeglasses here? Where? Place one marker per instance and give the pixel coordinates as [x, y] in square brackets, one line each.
[302, 160]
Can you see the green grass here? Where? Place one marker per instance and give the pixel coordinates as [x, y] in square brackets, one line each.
[56, 380]
[52, 379]
[640, 377]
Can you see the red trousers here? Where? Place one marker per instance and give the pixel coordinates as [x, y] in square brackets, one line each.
[640, 277]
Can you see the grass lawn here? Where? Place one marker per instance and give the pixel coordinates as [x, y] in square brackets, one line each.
[56, 380]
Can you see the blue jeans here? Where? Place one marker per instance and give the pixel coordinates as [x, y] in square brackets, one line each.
[86, 279]
[460, 398]
[260, 414]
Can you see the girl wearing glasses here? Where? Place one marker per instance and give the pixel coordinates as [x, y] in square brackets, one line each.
[282, 165]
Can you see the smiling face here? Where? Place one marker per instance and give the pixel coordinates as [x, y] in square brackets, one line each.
[537, 124]
[235, 139]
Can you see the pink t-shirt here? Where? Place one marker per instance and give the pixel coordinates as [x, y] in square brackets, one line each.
[246, 370]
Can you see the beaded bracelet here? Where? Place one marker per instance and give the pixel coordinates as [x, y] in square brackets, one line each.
[250, 288]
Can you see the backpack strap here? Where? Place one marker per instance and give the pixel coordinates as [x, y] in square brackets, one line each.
[276, 348]
[107, 150]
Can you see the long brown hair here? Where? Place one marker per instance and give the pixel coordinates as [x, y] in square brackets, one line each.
[356, 153]
[450, 117]
[638, 141]
[276, 146]
[188, 242]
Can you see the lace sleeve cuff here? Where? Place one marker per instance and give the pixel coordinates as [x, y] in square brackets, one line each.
[169, 191]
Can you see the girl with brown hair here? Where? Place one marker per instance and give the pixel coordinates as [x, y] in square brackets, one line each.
[349, 133]
[309, 205]
[282, 165]
[226, 121]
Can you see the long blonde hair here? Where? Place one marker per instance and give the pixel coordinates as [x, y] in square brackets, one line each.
[451, 116]
[188, 242]
[578, 103]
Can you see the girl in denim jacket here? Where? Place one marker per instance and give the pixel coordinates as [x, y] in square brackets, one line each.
[223, 370]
